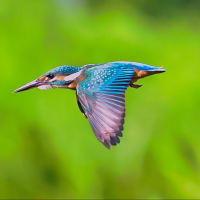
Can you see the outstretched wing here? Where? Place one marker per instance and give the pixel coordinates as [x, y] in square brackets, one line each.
[101, 97]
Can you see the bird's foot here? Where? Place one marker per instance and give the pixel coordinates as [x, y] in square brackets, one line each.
[135, 85]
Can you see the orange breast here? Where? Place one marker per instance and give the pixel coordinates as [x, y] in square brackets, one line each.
[72, 85]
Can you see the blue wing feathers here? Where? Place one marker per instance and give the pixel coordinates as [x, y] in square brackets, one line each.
[104, 89]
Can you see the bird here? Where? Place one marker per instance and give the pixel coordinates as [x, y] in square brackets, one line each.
[100, 92]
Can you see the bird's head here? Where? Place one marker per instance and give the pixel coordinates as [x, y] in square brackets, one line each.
[55, 78]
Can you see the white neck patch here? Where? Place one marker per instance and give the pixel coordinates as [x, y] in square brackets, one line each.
[72, 76]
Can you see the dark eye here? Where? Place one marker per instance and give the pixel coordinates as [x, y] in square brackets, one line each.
[50, 76]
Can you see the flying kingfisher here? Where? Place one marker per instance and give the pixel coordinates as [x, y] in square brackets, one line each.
[100, 91]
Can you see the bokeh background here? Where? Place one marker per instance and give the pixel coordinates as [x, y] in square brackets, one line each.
[47, 148]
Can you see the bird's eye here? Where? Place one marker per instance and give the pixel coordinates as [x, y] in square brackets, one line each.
[50, 76]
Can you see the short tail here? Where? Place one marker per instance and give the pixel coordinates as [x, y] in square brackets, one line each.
[143, 70]
[149, 68]
[155, 70]
[141, 66]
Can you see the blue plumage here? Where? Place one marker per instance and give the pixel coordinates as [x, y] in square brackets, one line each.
[100, 91]
[101, 96]
[64, 70]
[100, 77]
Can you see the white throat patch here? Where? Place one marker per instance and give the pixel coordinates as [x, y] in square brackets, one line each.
[44, 87]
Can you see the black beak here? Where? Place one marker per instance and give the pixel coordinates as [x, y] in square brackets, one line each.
[32, 84]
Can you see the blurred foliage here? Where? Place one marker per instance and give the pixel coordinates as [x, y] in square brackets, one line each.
[47, 148]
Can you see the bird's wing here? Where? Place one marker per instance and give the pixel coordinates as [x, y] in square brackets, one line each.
[101, 97]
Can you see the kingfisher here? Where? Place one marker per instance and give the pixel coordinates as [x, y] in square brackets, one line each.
[100, 91]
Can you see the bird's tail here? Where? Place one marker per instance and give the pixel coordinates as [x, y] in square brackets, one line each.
[149, 68]
[143, 70]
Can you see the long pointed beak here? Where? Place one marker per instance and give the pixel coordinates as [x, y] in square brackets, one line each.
[28, 86]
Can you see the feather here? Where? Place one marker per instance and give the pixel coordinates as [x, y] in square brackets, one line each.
[102, 98]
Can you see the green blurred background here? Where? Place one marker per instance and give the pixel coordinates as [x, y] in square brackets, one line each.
[47, 148]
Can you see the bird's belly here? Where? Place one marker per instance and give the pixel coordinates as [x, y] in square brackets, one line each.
[139, 73]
